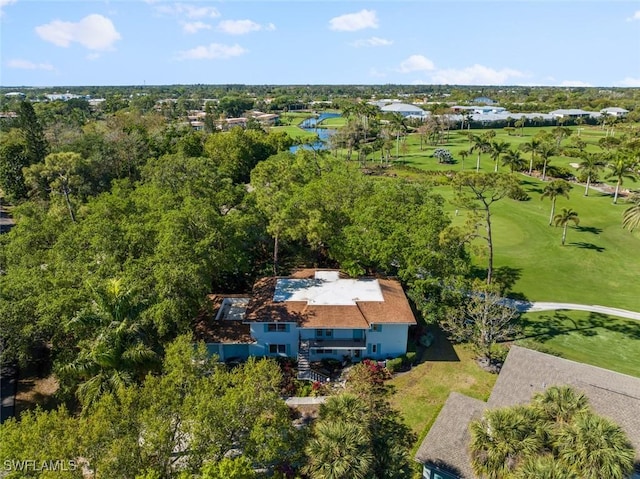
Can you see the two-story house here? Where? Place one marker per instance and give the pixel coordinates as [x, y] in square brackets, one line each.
[311, 315]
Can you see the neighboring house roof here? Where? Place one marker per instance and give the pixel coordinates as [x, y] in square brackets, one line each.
[524, 373]
[447, 443]
[321, 298]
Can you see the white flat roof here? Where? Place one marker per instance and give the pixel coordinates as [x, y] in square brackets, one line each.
[327, 289]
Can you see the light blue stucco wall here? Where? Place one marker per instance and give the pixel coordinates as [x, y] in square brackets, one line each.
[391, 341]
[265, 338]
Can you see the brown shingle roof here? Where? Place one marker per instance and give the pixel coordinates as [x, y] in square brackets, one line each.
[207, 329]
[394, 309]
[524, 373]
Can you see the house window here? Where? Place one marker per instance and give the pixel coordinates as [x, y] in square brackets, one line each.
[324, 351]
[278, 348]
[374, 348]
[326, 332]
[276, 327]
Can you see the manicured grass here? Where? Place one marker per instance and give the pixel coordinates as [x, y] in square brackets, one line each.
[293, 131]
[598, 265]
[591, 338]
[336, 122]
[422, 391]
[458, 141]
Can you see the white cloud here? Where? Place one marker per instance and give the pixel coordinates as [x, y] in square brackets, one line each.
[190, 11]
[241, 27]
[4, 3]
[577, 83]
[93, 56]
[94, 32]
[372, 42]
[352, 22]
[475, 75]
[416, 63]
[212, 51]
[630, 82]
[635, 16]
[195, 27]
[29, 65]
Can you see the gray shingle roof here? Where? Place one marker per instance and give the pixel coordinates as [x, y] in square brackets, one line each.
[446, 444]
[526, 372]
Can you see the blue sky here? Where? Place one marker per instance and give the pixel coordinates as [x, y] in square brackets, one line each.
[154, 42]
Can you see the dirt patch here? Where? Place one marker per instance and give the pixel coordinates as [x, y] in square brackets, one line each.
[33, 391]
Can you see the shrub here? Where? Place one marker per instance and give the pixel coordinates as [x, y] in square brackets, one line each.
[394, 365]
[518, 193]
[411, 357]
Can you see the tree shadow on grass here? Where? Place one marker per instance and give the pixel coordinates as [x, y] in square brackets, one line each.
[591, 246]
[507, 276]
[441, 348]
[550, 326]
[589, 229]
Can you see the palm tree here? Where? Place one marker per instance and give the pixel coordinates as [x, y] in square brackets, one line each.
[531, 147]
[339, 450]
[546, 151]
[398, 124]
[591, 165]
[552, 191]
[621, 168]
[502, 439]
[463, 155]
[544, 467]
[119, 353]
[480, 144]
[560, 404]
[631, 216]
[497, 149]
[563, 219]
[513, 160]
[594, 447]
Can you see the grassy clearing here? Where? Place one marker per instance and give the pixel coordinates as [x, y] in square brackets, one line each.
[598, 265]
[458, 141]
[425, 388]
[591, 338]
[293, 131]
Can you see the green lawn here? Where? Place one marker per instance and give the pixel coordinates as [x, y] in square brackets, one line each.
[458, 141]
[421, 392]
[598, 265]
[592, 338]
[293, 131]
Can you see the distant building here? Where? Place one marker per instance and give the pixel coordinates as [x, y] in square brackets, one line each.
[615, 111]
[573, 113]
[15, 94]
[483, 100]
[405, 109]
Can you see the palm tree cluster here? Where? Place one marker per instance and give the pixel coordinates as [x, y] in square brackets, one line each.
[358, 435]
[556, 436]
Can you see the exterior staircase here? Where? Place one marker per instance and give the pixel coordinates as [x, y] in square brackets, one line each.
[304, 366]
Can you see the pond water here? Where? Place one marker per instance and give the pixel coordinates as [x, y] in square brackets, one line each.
[313, 125]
